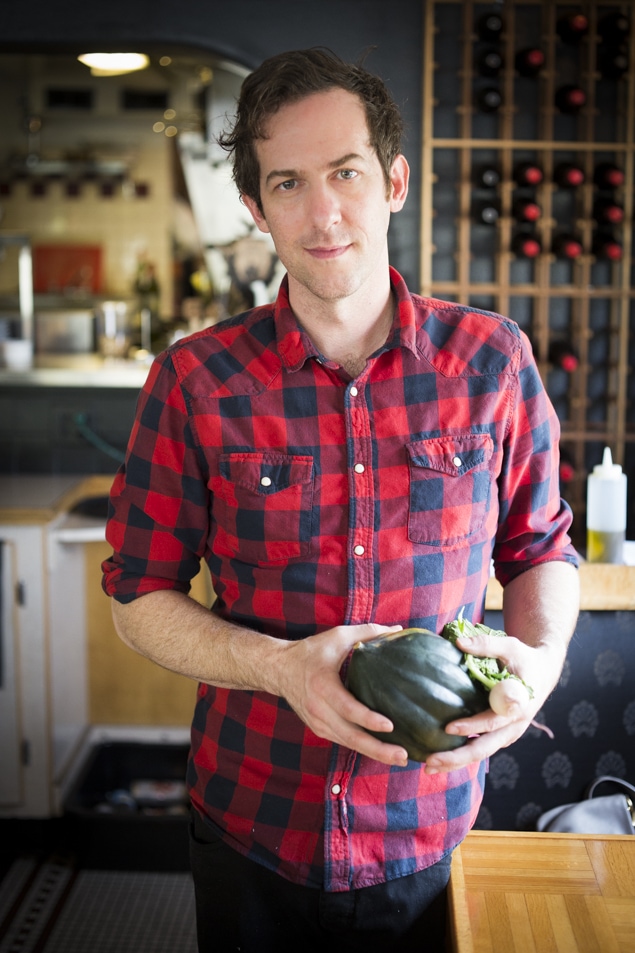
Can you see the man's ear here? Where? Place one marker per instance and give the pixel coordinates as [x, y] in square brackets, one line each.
[399, 177]
[255, 212]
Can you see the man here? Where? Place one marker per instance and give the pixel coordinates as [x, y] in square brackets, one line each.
[347, 461]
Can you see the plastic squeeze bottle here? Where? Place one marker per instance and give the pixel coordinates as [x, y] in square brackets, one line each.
[606, 511]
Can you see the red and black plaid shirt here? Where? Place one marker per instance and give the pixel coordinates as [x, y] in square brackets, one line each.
[318, 501]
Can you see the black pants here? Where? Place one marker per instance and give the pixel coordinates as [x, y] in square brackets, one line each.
[243, 906]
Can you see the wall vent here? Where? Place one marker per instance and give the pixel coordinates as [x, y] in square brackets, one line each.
[152, 99]
[68, 98]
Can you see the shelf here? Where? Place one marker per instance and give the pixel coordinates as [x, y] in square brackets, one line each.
[588, 302]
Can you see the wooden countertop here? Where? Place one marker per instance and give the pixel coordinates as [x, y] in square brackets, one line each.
[602, 587]
[542, 893]
[32, 499]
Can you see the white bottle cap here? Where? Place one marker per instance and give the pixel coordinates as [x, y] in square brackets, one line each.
[607, 470]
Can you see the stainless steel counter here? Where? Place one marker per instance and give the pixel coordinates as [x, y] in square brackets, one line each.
[78, 371]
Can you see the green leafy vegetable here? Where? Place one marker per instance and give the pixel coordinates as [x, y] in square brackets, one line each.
[488, 671]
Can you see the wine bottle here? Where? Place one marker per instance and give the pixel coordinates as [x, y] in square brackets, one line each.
[487, 176]
[525, 210]
[613, 61]
[608, 176]
[570, 99]
[614, 27]
[568, 175]
[526, 245]
[489, 99]
[572, 27]
[562, 355]
[489, 27]
[529, 61]
[608, 212]
[487, 213]
[606, 248]
[566, 245]
[489, 63]
[528, 173]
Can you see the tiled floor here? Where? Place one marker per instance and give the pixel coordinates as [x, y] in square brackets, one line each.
[54, 900]
[52, 908]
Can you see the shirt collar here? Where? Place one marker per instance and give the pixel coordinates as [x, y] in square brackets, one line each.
[295, 346]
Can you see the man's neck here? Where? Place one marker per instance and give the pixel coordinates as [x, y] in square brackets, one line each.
[347, 330]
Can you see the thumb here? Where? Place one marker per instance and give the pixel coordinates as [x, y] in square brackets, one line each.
[372, 630]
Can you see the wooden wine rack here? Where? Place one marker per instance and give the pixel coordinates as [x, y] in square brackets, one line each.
[588, 302]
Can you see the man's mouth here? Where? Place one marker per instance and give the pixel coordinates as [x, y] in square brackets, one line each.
[325, 252]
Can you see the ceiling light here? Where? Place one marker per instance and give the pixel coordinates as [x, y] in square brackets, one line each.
[114, 64]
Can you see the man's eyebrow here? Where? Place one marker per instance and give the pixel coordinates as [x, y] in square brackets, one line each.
[349, 157]
[294, 173]
[281, 174]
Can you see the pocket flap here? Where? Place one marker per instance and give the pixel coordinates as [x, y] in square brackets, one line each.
[453, 455]
[266, 472]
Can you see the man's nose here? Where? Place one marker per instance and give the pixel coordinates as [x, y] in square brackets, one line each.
[325, 209]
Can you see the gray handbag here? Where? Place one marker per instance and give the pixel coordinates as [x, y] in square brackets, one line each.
[608, 814]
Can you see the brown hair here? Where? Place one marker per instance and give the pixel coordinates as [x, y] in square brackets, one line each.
[289, 77]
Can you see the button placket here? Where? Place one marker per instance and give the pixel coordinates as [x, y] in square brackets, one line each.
[362, 504]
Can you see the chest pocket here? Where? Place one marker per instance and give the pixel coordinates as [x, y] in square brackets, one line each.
[450, 485]
[263, 506]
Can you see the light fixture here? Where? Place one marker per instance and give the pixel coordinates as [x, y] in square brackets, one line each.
[114, 64]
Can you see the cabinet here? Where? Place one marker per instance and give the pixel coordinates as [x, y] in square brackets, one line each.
[43, 703]
[586, 301]
[67, 683]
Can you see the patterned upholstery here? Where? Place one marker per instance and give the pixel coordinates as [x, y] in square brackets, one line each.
[592, 715]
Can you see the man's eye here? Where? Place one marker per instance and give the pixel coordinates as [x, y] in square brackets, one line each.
[287, 185]
[348, 173]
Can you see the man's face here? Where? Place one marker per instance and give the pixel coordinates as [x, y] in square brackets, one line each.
[324, 196]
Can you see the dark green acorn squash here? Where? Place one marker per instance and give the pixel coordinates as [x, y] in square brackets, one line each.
[418, 680]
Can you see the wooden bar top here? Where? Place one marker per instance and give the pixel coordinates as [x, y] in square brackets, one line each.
[603, 587]
[542, 893]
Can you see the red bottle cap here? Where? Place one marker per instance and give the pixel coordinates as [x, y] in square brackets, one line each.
[531, 212]
[613, 251]
[567, 472]
[574, 176]
[530, 248]
[615, 177]
[535, 58]
[533, 175]
[569, 363]
[576, 97]
[571, 248]
[614, 214]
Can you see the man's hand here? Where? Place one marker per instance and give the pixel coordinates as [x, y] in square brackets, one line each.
[310, 682]
[537, 666]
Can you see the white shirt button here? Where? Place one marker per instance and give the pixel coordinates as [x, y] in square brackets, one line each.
[336, 789]
[457, 462]
[359, 550]
[265, 481]
[353, 391]
[359, 468]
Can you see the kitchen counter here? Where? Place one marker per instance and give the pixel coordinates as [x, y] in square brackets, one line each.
[78, 370]
[32, 499]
